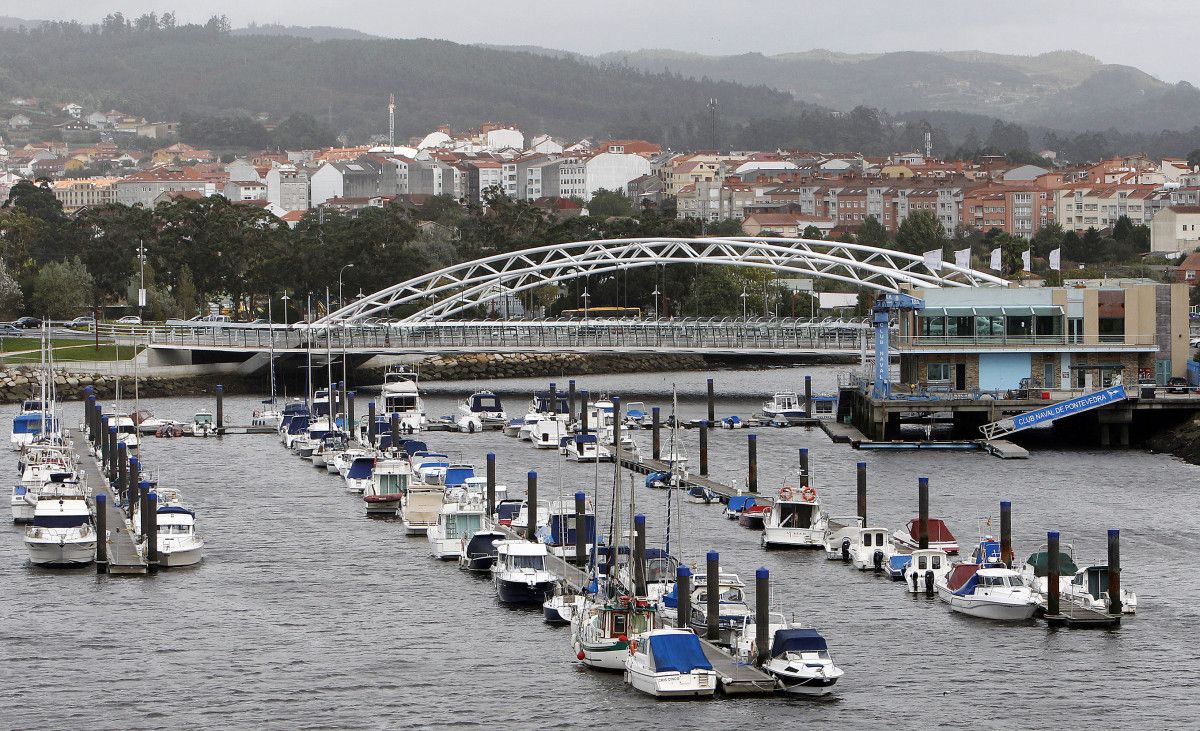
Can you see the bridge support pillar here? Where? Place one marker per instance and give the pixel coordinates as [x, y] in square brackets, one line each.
[1105, 435]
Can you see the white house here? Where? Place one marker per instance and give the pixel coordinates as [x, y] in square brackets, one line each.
[245, 190]
[74, 110]
[325, 183]
[612, 171]
[1175, 229]
[546, 145]
[287, 188]
[242, 170]
[99, 120]
[498, 139]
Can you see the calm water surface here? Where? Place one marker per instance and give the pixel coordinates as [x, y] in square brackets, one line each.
[306, 615]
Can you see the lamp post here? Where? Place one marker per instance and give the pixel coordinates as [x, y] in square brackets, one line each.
[744, 296]
[656, 293]
[586, 297]
[141, 252]
[341, 301]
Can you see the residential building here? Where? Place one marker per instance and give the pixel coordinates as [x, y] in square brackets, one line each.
[1189, 269]
[788, 225]
[287, 187]
[612, 171]
[1017, 209]
[481, 175]
[84, 192]
[242, 169]
[1175, 228]
[144, 186]
[362, 177]
[245, 190]
[1080, 206]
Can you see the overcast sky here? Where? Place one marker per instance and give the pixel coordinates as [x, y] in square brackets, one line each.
[1157, 37]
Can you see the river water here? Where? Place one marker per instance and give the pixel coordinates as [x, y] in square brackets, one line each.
[305, 614]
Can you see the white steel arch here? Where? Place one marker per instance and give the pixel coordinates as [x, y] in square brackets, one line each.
[454, 289]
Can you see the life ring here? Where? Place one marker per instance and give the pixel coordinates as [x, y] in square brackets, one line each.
[808, 494]
[786, 493]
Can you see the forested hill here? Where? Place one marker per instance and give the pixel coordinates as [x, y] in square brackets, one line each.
[206, 70]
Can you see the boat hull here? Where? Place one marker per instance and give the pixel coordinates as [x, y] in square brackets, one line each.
[183, 556]
[382, 507]
[696, 684]
[984, 608]
[792, 537]
[608, 656]
[521, 592]
[53, 554]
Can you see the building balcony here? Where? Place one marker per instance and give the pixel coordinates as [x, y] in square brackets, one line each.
[1026, 343]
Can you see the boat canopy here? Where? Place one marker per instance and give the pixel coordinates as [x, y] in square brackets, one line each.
[31, 423]
[295, 407]
[298, 424]
[739, 503]
[485, 402]
[677, 651]
[544, 404]
[60, 520]
[360, 468]
[508, 509]
[458, 474]
[562, 529]
[1040, 562]
[962, 578]
[938, 531]
[654, 477]
[174, 510]
[585, 438]
[412, 446]
[797, 640]
[987, 552]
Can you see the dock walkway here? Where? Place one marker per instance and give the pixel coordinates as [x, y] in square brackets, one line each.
[646, 465]
[123, 555]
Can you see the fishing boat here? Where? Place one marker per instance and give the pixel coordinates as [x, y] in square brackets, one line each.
[203, 424]
[907, 539]
[924, 568]
[840, 534]
[402, 396]
[389, 481]
[478, 552]
[795, 520]
[670, 663]
[178, 542]
[871, 549]
[519, 572]
[784, 405]
[479, 411]
[457, 521]
[421, 507]
[603, 629]
[61, 533]
[987, 591]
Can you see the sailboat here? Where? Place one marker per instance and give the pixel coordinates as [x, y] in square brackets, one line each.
[269, 414]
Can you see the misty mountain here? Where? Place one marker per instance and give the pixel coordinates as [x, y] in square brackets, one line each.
[312, 32]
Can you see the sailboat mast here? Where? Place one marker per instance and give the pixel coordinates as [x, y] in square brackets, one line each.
[271, 324]
[329, 361]
[308, 347]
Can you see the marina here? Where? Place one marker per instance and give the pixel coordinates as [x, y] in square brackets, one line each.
[828, 585]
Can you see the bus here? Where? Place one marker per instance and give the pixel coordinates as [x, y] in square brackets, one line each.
[603, 313]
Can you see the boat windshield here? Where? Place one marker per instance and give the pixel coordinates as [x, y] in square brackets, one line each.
[537, 563]
[174, 530]
[1001, 581]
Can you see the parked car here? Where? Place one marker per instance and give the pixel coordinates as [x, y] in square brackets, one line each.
[130, 320]
[1178, 384]
[8, 331]
[27, 322]
[85, 321]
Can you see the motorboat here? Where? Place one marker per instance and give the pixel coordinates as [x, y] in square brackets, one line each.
[561, 606]
[732, 422]
[33, 421]
[603, 629]
[203, 424]
[478, 552]
[661, 480]
[457, 521]
[871, 549]
[1086, 586]
[62, 533]
[508, 510]
[824, 407]
[331, 453]
[908, 538]
[389, 482]
[458, 474]
[924, 568]
[795, 519]
[733, 611]
[519, 572]
[987, 591]
[785, 405]
[840, 533]
[475, 487]
[430, 467]
[670, 663]
[602, 422]
[402, 396]
[636, 415]
[294, 429]
[801, 662]
[525, 430]
[358, 476]
[480, 410]
[548, 431]
[178, 542]
[421, 507]
[701, 495]
[587, 448]
[562, 522]
[512, 427]
[754, 515]
[127, 431]
[520, 521]
[268, 416]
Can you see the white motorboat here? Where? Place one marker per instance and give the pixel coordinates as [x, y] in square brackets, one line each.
[61, 533]
[795, 519]
[587, 448]
[402, 396]
[127, 431]
[840, 533]
[268, 414]
[480, 410]
[636, 415]
[549, 431]
[430, 467]
[389, 481]
[1086, 586]
[512, 427]
[178, 542]
[520, 521]
[926, 566]
[801, 662]
[987, 591]
[519, 573]
[358, 476]
[457, 522]
[203, 424]
[525, 428]
[870, 550]
[733, 611]
[670, 663]
[421, 507]
[602, 422]
[559, 533]
[907, 539]
[785, 405]
[34, 420]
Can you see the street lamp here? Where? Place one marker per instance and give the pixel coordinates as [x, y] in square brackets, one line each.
[744, 296]
[586, 297]
[141, 251]
[342, 302]
[656, 293]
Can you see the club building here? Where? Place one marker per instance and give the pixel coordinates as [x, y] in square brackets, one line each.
[977, 340]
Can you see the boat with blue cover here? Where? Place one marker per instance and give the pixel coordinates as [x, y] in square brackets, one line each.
[559, 532]
[358, 475]
[670, 663]
[29, 426]
[801, 662]
[737, 504]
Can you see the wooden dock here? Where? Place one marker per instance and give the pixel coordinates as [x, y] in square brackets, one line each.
[645, 466]
[1074, 616]
[840, 433]
[1004, 449]
[123, 555]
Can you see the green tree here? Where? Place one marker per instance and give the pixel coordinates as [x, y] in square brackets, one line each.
[1122, 229]
[1047, 239]
[812, 232]
[724, 227]
[920, 232]
[872, 233]
[61, 290]
[606, 203]
[11, 297]
[186, 296]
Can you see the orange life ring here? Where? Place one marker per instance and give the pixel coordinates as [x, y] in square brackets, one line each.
[808, 494]
[785, 493]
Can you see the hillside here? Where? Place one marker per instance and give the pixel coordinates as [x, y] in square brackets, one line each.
[164, 73]
[1061, 89]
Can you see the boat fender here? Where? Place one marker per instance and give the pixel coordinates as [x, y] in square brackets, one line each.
[915, 585]
[633, 647]
[928, 582]
[877, 560]
[846, 549]
[579, 655]
[808, 494]
[785, 493]
[471, 427]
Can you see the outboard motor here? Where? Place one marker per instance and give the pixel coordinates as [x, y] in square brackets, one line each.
[877, 560]
[928, 582]
[916, 587]
[846, 550]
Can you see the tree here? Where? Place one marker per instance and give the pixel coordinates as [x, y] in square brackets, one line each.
[812, 232]
[920, 232]
[1122, 229]
[11, 297]
[61, 290]
[1073, 247]
[186, 297]
[301, 132]
[1047, 239]
[724, 227]
[606, 203]
[872, 233]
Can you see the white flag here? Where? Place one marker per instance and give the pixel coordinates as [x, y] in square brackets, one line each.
[962, 258]
[1025, 260]
[995, 263]
[1056, 260]
[933, 259]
